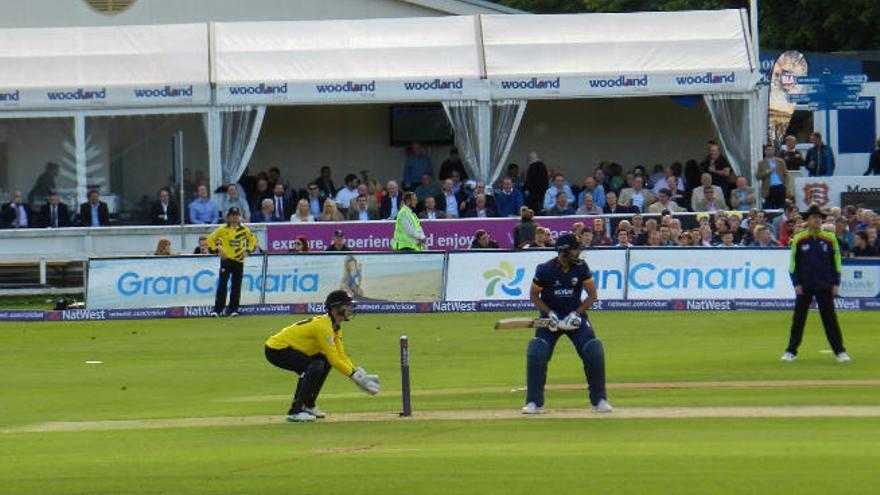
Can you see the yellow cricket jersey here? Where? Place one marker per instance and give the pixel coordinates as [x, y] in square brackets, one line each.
[315, 336]
[234, 241]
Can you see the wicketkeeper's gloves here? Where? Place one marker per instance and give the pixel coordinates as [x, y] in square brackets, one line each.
[368, 383]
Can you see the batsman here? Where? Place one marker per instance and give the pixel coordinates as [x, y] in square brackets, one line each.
[556, 292]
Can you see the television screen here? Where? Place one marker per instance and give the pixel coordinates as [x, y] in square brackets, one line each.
[423, 123]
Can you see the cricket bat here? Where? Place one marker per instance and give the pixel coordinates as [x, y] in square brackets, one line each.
[521, 322]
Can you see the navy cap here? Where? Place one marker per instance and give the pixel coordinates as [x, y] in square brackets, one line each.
[567, 241]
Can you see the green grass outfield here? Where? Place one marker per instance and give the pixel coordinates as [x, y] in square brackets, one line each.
[205, 368]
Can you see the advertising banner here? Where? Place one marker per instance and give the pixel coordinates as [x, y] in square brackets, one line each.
[351, 91]
[121, 283]
[860, 278]
[105, 96]
[629, 84]
[376, 236]
[826, 191]
[476, 276]
[368, 277]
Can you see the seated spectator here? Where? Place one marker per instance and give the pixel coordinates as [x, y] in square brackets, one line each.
[315, 199]
[685, 239]
[508, 200]
[94, 212]
[338, 243]
[735, 224]
[600, 237]
[525, 231]
[283, 206]
[325, 185]
[773, 174]
[448, 200]
[623, 239]
[300, 244]
[624, 225]
[330, 213]
[862, 246]
[789, 211]
[705, 238]
[347, 193]
[480, 208]
[871, 232]
[163, 248]
[577, 229]
[164, 211]
[597, 191]
[416, 164]
[275, 179]
[54, 214]
[721, 227]
[202, 210]
[674, 229]
[560, 207]
[588, 206]
[479, 188]
[427, 187]
[203, 247]
[763, 238]
[260, 193]
[482, 240]
[664, 204]
[707, 201]
[15, 214]
[232, 200]
[637, 196]
[364, 190]
[670, 181]
[362, 211]
[557, 185]
[391, 201]
[451, 164]
[653, 239]
[429, 210]
[727, 240]
[267, 213]
[665, 237]
[586, 239]
[698, 194]
[677, 193]
[515, 175]
[303, 212]
[542, 239]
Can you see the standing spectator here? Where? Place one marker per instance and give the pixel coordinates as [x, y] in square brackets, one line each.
[664, 204]
[315, 199]
[514, 174]
[339, 243]
[820, 158]
[794, 160]
[163, 247]
[347, 193]
[416, 164]
[266, 213]
[588, 206]
[559, 185]
[450, 164]
[15, 214]
[427, 188]
[874, 161]
[94, 212]
[482, 240]
[742, 197]
[202, 210]
[260, 193]
[391, 201]
[45, 185]
[524, 231]
[303, 213]
[637, 197]
[232, 200]
[55, 214]
[597, 191]
[429, 210]
[448, 200]
[773, 176]
[283, 206]
[362, 211]
[325, 183]
[330, 213]
[717, 166]
[408, 233]
[234, 241]
[508, 200]
[815, 273]
[164, 210]
[560, 206]
[480, 208]
[537, 182]
[862, 247]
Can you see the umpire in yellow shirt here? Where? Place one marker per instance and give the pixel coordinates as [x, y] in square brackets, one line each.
[310, 348]
[234, 241]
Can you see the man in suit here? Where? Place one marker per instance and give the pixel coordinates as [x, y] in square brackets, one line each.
[448, 201]
[362, 190]
[697, 195]
[283, 206]
[325, 184]
[480, 208]
[267, 213]
[362, 210]
[708, 201]
[16, 214]
[637, 196]
[664, 204]
[164, 212]
[315, 198]
[94, 212]
[429, 210]
[54, 214]
[391, 201]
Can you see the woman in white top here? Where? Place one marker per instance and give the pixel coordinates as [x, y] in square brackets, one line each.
[302, 213]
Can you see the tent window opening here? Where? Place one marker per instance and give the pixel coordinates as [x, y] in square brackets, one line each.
[110, 7]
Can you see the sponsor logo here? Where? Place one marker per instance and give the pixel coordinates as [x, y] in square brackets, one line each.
[78, 94]
[619, 82]
[318, 308]
[708, 305]
[816, 192]
[197, 311]
[19, 315]
[849, 188]
[10, 96]
[436, 84]
[136, 314]
[454, 307]
[166, 92]
[846, 304]
[131, 284]
[871, 304]
[83, 314]
[533, 83]
[707, 78]
[645, 276]
[505, 278]
[771, 304]
[347, 87]
[258, 89]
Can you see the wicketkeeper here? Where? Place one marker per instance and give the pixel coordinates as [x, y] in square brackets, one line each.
[310, 348]
[556, 292]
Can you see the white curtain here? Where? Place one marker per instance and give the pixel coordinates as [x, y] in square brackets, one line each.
[732, 116]
[240, 128]
[484, 133]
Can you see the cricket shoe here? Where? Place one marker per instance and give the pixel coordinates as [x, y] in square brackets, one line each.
[316, 412]
[233, 314]
[788, 357]
[603, 406]
[214, 314]
[843, 358]
[301, 417]
[532, 408]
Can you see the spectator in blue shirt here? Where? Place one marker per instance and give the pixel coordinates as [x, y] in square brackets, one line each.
[508, 200]
[557, 186]
[417, 164]
[820, 158]
[203, 210]
[596, 190]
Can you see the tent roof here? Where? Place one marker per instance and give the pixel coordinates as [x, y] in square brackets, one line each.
[655, 52]
[104, 66]
[431, 58]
